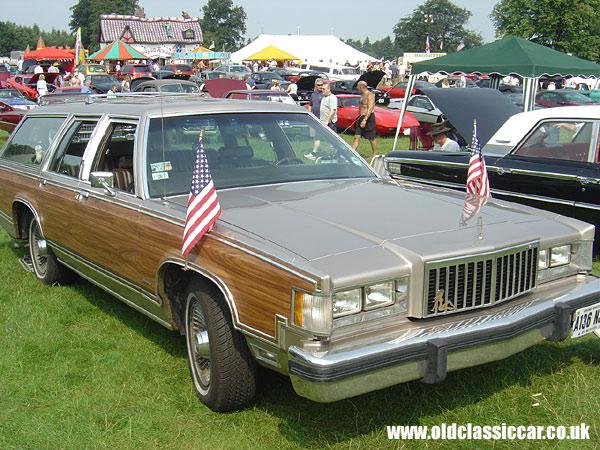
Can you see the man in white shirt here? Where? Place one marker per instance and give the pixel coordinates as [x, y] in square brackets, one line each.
[442, 143]
[38, 68]
[328, 109]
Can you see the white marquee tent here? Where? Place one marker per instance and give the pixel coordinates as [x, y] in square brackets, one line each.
[318, 48]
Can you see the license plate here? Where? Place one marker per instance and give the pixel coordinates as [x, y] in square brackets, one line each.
[586, 320]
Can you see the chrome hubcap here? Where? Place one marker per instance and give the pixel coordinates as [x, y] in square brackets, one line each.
[41, 247]
[39, 250]
[199, 344]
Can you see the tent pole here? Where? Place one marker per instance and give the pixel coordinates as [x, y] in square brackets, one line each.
[529, 90]
[407, 93]
[495, 81]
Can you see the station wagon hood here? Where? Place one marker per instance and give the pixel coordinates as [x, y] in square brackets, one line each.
[321, 219]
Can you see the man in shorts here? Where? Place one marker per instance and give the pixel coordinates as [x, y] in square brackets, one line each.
[365, 123]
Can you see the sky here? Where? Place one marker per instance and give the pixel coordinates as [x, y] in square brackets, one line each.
[348, 19]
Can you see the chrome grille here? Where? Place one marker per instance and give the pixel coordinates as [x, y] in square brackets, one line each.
[475, 281]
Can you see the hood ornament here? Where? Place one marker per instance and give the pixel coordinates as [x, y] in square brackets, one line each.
[440, 304]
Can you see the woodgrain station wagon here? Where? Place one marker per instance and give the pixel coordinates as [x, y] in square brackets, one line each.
[321, 270]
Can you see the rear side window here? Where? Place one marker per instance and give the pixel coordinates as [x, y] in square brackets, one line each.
[31, 141]
[67, 158]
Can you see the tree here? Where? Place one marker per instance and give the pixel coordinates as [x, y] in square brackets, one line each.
[86, 14]
[559, 24]
[224, 24]
[442, 21]
[18, 37]
[383, 48]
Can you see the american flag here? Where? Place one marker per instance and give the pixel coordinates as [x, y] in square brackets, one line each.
[471, 207]
[203, 205]
[477, 177]
[427, 46]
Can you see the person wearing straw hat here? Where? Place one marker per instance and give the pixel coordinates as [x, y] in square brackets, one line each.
[442, 142]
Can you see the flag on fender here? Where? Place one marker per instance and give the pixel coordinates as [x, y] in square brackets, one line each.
[477, 177]
[203, 208]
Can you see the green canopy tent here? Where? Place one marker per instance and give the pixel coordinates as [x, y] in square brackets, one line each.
[508, 56]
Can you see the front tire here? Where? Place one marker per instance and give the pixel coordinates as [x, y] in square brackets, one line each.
[46, 267]
[221, 366]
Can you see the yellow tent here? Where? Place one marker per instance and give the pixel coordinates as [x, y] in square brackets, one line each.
[271, 52]
[201, 49]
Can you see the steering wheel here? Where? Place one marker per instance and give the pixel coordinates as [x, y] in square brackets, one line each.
[289, 158]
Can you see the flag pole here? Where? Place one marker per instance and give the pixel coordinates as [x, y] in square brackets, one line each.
[185, 267]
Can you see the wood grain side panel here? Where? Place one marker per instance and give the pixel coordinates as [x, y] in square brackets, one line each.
[106, 234]
[14, 185]
[260, 289]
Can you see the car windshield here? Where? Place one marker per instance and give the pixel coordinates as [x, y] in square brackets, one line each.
[245, 150]
[96, 68]
[183, 67]
[141, 69]
[577, 97]
[10, 93]
[179, 87]
[103, 79]
[346, 102]
[349, 71]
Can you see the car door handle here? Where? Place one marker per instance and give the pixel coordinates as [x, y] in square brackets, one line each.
[502, 170]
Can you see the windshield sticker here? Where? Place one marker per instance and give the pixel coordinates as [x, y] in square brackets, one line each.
[355, 160]
[161, 166]
[160, 176]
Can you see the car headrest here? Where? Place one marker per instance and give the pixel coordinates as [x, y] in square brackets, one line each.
[126, 162]
[241, 152]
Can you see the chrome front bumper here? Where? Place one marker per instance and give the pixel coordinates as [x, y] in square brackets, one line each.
[335, 372]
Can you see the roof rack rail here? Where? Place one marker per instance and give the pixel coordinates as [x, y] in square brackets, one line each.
[120, 97]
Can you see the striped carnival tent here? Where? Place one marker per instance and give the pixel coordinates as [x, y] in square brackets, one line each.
[117, 51]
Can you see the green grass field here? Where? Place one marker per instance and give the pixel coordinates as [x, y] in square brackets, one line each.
[79, 369]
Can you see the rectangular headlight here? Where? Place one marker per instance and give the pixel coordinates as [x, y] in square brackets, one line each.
[347, 302]
[543, 259]
[559, 256]
[378, 295]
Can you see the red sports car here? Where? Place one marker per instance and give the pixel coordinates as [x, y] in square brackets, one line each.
[386, 120]
[26, 84]
[399, 89]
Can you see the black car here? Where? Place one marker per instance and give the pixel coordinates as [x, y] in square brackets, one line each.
[102, 83]
[263, 80]
[547, 158]
[372, 79]
[306, 86]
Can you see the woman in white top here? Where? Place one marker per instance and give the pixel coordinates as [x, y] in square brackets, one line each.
[41, 86]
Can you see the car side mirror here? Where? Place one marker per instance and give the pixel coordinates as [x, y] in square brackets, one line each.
[104, 180]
